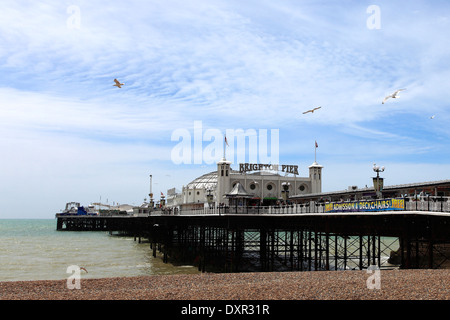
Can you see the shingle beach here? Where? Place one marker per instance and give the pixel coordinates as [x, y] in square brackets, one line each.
[316, 285]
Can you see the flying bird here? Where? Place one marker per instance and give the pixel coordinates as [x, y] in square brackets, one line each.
[393, 96]
[312, 110]
[432, 117]
[118, 84]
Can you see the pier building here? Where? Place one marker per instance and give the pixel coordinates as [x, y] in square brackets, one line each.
[263, 184]
[420, 191]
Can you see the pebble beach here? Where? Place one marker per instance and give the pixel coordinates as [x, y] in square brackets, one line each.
[316, 285]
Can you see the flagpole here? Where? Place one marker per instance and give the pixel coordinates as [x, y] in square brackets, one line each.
[315, 151]
[224, 147]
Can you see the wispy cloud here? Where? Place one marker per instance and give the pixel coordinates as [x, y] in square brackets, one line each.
[231, 64]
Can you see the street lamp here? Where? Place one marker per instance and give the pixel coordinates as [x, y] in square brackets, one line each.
[209, 197]
[285, 191]
[151, 202]
[378, 181]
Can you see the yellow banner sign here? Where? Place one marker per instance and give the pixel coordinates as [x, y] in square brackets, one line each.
[366, 205]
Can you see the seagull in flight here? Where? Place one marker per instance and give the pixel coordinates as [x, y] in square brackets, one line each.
[312, 110]
[118, 84]
[393, 96]
[432, 117]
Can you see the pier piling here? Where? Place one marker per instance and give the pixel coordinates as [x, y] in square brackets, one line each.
[235, 243]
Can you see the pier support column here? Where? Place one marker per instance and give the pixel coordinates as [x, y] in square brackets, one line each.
[361, 265]
[301, 249]
[291, 249]
[430, 245]
[59, 224]
[263, 248]
[327, 251]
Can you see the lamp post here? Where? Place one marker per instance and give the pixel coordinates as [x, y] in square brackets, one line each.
[378, 181]
[285, 191]
[151, 202]
[209, 197]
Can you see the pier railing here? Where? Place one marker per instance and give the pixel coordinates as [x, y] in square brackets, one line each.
[296, 208]
[427, 203]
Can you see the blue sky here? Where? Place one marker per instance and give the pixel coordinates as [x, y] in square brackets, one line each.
[67, 134]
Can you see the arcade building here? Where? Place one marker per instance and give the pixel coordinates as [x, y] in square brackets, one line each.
[256, 184]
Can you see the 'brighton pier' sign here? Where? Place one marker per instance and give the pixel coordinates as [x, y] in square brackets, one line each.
[245, 167]
[366, 205]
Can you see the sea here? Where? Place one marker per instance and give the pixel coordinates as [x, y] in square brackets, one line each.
[32, 249]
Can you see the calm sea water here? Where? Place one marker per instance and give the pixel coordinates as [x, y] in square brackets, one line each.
[34, 250]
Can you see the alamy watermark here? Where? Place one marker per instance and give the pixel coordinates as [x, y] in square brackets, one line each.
[374, 281]
[210, 145]
[74, 20]
[374, 20]
[74, 280]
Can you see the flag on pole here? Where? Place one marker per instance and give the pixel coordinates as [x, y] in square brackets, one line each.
[226, 140]
[315, 151]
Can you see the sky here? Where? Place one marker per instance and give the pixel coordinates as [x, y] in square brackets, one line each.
[67, 134]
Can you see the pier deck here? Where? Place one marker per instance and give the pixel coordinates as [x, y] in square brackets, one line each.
[277, 242]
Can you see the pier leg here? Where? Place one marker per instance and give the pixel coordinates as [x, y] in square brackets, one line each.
[59, 224]
[309, 249]
[345, 252]
[430, 253]
[379, 251]
[360, 252]
[315, 251]
[272, 253]
[227, 253]
[408, 253]
[374, 255]
[291, 249]
[327, 251]
[263, 248]
[300, 250]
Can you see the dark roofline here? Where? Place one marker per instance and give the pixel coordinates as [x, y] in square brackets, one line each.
[238, 191]
[371, 189]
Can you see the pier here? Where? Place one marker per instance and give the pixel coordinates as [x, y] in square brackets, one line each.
[293, 238]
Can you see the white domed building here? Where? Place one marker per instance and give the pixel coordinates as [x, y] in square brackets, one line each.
[263, 183]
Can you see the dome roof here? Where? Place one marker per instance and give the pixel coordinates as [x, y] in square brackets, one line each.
[206, 181]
